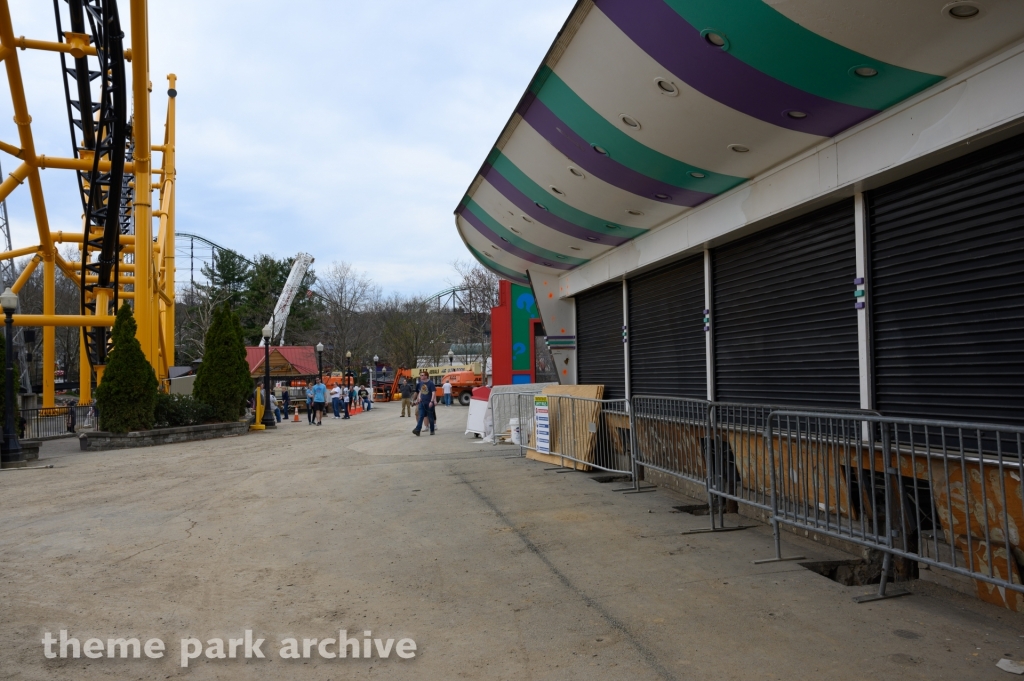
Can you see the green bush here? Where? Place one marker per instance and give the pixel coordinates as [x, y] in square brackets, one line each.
[173, 411]
[223, 381]
[126, 397]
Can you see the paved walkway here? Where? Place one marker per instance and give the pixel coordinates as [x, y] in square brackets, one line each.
[497, 568]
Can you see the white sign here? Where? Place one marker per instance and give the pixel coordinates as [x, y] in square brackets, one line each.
[542, 423]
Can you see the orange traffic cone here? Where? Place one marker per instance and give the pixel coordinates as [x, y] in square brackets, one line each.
[296, 419]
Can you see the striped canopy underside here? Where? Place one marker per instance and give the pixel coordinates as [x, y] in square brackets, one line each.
[636, 114]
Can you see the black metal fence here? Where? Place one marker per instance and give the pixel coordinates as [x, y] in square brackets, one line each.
[52, 422]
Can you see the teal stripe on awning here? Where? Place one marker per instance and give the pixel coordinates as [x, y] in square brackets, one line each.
[514, 238]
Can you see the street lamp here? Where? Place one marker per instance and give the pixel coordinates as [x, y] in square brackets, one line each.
[373, 372]
[348, 366]
[320, 359]
[451, 358]
[268, 415]
[11, 455]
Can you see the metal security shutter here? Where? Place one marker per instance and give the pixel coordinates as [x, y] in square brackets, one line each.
[600, 359]
[784, 322]
[666, 331]
[947, 289]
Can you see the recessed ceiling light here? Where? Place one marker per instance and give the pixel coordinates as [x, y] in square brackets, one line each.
[864, 71]
[504, 239]
[592, 238]
[666, 87]
[575, 248]
[557, 191]
[630, 121]
[515, 230]
[662, 197]
[796, 114]
[495, 247]
[962, 10]
[540, 205]
[546, 264]
[560, 257]
[697, 175]
[600, 150]
[527, 219]
[576, 171]
[611, 226]
[713, 37]
[633, 211]
[739, 148]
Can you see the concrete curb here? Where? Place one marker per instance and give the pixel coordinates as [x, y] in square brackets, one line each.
[98, 441]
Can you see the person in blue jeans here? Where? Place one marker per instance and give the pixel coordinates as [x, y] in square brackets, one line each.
[309, 404]
[319, 400]
[336, 401]
[426, 398]
[364, 395]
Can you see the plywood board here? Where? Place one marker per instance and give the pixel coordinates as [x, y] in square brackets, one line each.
[555, 460]
[571, 419]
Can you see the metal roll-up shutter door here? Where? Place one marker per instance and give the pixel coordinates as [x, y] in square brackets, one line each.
[600, 358]
[666, 331]
[784, 321]
[947, 289]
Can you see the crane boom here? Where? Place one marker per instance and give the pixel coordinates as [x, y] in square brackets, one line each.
[288, 293]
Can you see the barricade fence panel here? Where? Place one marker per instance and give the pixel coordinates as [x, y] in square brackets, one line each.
[595, 433]
[670, 435]
[942, 493]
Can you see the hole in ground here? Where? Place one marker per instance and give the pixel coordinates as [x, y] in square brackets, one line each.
[604, 479]
[693, 509]
[847, 572]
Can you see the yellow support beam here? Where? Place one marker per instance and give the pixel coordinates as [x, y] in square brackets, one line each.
[77, 45]
[26, 273]
[142, 210]
[18, 252]
[49, 321]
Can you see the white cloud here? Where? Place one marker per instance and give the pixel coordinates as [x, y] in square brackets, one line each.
[346, 129]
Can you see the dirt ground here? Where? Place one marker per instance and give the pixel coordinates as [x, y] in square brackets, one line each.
[496, 567]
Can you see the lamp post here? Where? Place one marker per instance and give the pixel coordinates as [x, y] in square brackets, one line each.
[11, 456]
[268, 415]
[373, 372]
[348, 366]
[320, 360]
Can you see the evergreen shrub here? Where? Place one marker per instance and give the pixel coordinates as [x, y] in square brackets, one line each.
[126, 395]
[223, 381]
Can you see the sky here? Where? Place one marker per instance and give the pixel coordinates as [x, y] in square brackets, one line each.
[348, 130]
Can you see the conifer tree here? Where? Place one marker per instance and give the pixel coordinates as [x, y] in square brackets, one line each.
[223, 380]
[126, 396]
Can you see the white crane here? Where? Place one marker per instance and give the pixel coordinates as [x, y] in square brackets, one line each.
[284, 302]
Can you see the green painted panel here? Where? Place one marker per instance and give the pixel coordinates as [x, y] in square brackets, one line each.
[538, 194]
[524, 308]
[774, 44]
[515, 239]
[596, 129]
[506, 272]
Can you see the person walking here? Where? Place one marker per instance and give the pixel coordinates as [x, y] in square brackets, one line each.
[309, 404]
[336, 400]
[319, 400]
[346, 399]
[407, 391]
[426, 398]
[447, 389]
[287, 401]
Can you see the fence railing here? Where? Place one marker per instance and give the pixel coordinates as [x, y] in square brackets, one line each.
[942, 493]
[591, 433]
[50, 422]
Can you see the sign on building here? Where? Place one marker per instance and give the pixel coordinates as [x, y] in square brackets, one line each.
[542, 423]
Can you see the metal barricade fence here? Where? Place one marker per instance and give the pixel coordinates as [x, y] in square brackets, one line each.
[669, 436]
[591, 433]
[945, 494]
[504, 408]
[51, 422]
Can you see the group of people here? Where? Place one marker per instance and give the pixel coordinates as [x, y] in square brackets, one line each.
[422, 395]
[316, 401]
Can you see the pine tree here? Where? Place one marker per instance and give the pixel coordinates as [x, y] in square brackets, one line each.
[126, 397]
[223, 380]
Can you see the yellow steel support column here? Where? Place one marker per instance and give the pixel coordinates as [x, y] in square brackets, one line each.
[49, 332]
[145, 286]
[167, 196]
[84, 371]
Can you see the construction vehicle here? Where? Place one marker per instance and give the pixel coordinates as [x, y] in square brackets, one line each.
[462, 383]
[279, 318]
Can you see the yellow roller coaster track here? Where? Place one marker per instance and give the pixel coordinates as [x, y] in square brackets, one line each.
[133, 265]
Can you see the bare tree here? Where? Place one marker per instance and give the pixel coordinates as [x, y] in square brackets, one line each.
[348, 299]
[193, 314]
[410, 329]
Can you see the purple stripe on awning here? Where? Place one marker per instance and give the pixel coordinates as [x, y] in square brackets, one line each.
[579, 151]
[678, 46]
[545, 217]
[478, 224]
